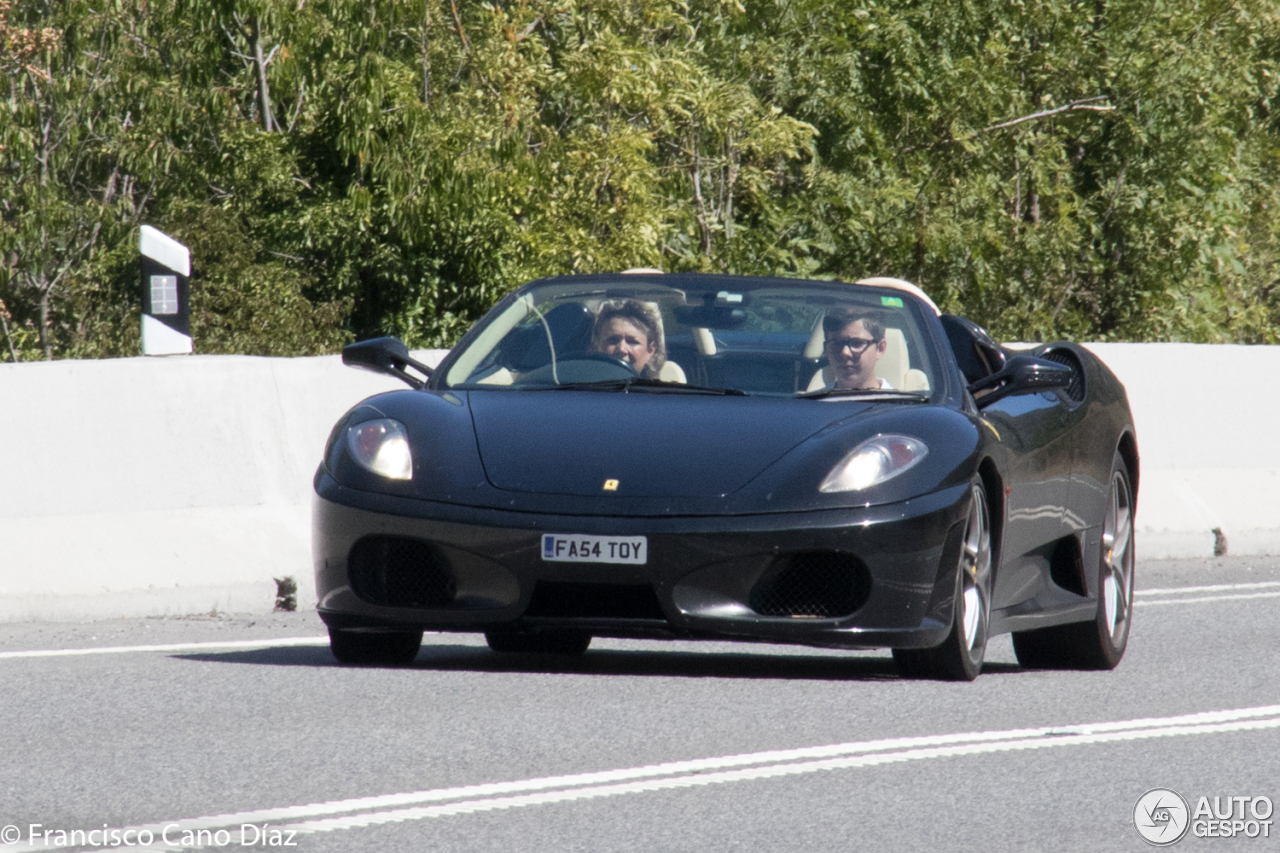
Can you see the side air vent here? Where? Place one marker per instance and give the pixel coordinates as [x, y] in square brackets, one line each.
[1066, 566]
[813, 584]
[1074, 391]
[395, 571]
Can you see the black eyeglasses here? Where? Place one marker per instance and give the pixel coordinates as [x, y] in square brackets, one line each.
[854, 345]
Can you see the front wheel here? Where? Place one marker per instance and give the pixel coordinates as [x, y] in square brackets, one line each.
[960, 656]
[396, 648]
[1100, 643]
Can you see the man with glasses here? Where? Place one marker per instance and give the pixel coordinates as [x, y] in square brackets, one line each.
[854, 342]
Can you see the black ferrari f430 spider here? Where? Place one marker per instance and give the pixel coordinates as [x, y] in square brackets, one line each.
[688, 456]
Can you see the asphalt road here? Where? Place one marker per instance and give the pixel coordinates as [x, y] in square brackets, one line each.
[225, 722]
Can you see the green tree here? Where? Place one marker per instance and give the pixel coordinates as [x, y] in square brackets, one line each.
[345, 169]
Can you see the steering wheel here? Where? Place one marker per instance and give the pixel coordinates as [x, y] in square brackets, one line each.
[604, 357]
[582, 366]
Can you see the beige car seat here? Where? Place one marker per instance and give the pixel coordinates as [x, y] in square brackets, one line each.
[894, 366]
[672, 372]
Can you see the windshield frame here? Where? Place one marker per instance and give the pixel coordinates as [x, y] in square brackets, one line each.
[481, 341]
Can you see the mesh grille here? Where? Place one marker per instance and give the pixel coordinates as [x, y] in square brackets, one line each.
[557, 600]
[1074, 391]
[393, 571]
[822, 584]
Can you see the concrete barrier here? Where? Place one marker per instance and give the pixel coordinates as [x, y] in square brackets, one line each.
[160, 486]
[1206, 417]
[135, 487]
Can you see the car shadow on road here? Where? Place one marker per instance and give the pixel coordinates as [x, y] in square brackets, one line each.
[832, 666]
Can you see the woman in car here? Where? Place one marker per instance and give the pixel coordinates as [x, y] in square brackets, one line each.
[631, 331]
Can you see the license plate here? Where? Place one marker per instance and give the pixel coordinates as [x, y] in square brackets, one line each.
[570, 548]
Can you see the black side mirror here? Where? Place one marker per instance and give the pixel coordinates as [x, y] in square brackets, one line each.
[386, 355]
[1021, 374]
[977, 354]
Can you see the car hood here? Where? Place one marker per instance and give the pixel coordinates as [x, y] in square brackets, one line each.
[637, 444]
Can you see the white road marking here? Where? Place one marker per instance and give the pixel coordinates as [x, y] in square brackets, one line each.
[1208, 598]
[1234, 592]
[172, 647]
[773, 771]
[1222, 587]
[1205, 600]
[1140, 595]
[394, 808]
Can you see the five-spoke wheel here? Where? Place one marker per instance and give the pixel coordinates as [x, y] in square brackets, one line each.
[1117, 565]
[1100, 643]
[959, 658]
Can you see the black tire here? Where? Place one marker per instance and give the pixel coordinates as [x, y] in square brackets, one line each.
[562, 641]
[397, 648]
[959, 657]
[1099, 643]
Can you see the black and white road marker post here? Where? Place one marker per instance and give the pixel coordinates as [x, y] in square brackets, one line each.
[166, 303]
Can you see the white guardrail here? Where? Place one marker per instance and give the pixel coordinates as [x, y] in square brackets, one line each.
[164, 486]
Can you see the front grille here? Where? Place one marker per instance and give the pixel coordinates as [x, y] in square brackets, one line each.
[559, 600]
[815, 584]
[1074, 391]
[394, 571]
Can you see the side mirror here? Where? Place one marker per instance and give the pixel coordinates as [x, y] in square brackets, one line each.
[388, 356]
[977, 354]
[1021, 374]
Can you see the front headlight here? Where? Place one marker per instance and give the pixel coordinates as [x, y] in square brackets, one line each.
[874, 461]
[381, 446]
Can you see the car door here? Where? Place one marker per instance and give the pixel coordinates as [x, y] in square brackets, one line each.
[1037, 467]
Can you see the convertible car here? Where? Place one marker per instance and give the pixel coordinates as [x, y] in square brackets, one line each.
[683, 456]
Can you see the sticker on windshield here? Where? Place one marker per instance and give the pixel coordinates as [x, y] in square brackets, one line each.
[891, 301]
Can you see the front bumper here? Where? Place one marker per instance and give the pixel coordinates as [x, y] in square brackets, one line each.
[701, 580]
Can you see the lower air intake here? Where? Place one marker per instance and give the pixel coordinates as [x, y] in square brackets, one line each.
[395, 571]
[812, 584]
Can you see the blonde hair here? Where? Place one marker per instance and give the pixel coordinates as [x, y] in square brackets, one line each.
[645, 317]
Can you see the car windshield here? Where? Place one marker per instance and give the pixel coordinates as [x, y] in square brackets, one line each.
[700, 334]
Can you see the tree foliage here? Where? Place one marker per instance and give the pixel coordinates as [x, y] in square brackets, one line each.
[340, 169]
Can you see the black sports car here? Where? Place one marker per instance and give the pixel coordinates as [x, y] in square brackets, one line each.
[719, 457]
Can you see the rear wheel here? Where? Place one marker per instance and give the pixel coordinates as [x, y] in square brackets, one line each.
[558, 641]
[959, 658]
[395, 648]
[1100, 643]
